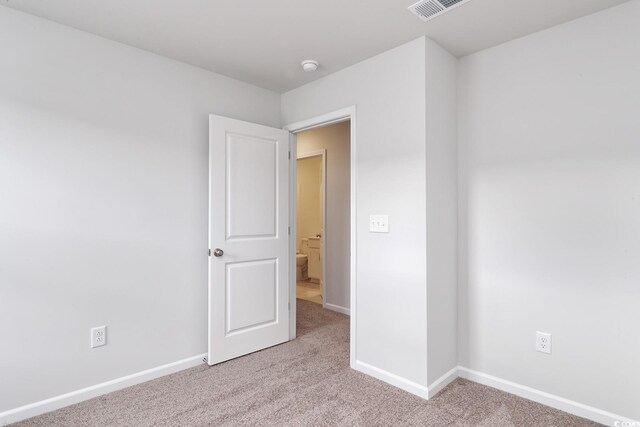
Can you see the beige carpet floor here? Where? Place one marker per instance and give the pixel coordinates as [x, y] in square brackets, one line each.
[306, 382]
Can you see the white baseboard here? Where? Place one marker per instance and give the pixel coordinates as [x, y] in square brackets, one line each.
[442, 382]
[57, 402]
[393, 379]
[557, 402]
[337, 308]
[566, 405]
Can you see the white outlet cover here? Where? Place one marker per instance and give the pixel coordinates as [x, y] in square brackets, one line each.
[98, 336]
[543, 342]
[379, 223]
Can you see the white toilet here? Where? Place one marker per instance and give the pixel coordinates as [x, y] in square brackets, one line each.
[302, 268]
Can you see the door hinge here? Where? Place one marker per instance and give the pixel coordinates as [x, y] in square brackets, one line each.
[289, 230]
[209, 252]
[289, 155]
[289, 306]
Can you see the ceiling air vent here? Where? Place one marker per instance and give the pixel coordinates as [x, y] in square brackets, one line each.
[429, 9]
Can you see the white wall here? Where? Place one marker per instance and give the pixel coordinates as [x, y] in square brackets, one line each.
[103, 196]
[442, 210]
[334, 139]
[103, 205]
[550, 209]
[388, 91]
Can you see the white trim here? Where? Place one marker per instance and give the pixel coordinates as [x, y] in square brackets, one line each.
[60, 401]
[342, 115]
[544, 398]
[324, 120]
[337, 308]
[557, 402]
[442, 382]
[393, 379]
[323, 275]
[314, 153]
[353, 283]
[293, 171]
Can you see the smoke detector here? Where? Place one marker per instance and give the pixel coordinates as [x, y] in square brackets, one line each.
[429, 9]
[309, 65]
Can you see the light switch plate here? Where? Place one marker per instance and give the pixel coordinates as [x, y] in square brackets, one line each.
[379, 223]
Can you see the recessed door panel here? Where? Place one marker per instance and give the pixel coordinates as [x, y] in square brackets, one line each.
[252, 295]
[252, 190]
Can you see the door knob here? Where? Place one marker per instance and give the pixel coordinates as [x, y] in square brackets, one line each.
[218, 252]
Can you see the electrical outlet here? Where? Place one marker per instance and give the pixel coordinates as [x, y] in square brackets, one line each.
[543, 342]
[98, 336]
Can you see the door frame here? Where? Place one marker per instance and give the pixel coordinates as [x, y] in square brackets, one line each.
[318, 153]
[348, 113]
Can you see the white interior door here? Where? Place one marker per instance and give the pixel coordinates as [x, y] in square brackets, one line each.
[248, 237]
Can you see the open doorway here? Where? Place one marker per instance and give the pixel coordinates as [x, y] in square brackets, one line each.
[347, 237]
[323, 217]
[310, 217]
[252, 238]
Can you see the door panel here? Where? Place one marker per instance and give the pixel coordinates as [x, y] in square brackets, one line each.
[252, 295]
[248, 222]
[252, 186]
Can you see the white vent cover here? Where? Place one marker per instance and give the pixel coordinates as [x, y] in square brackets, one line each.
[429, 9]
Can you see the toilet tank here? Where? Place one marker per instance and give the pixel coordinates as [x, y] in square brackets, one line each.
[304, 248]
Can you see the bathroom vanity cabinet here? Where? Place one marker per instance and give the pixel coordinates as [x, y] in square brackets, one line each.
[315, 259]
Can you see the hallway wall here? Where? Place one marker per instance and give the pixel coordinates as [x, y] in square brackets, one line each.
[309, 198]
[388, 91]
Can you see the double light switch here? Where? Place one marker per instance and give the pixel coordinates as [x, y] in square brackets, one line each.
[379, 223]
